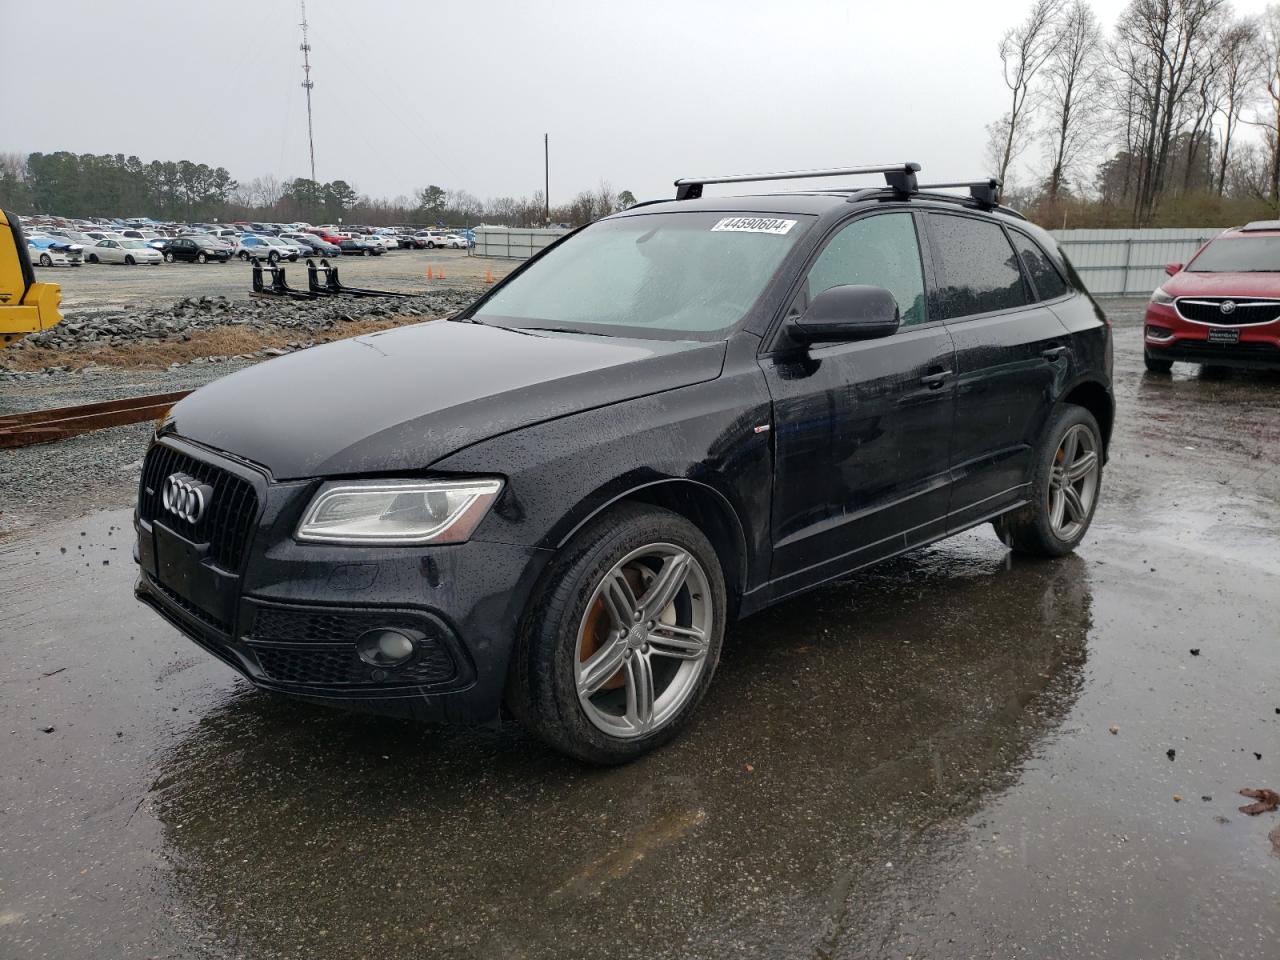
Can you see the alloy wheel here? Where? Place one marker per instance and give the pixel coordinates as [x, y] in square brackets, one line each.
[643, 641]
[1073, 485]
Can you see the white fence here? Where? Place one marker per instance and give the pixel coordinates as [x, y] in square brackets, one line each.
[1117, 263]
[511, 243]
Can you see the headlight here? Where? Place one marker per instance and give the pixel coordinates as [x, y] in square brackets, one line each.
[1159, 296]
[390, 512]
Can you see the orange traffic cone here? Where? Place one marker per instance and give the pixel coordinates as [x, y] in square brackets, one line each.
[430, 275]
[488, 275]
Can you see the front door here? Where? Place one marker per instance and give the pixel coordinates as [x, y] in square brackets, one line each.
[861, 430]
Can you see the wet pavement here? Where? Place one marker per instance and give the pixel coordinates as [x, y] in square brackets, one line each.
[918, 762]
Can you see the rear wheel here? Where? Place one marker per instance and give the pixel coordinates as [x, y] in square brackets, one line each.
[46, 260]
[622, 640]
[244, 255]
[1155, 364]
[93, 258]
[128, 259]
[1065, 485]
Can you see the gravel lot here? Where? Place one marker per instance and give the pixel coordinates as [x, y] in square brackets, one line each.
[117, 287]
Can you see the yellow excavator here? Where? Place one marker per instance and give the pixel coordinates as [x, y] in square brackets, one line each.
[26, 307]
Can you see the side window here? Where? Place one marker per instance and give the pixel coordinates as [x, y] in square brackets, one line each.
[1044, 275]
[977, 269]
[881, 250]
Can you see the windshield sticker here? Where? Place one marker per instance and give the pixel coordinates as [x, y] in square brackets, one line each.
[753, 225]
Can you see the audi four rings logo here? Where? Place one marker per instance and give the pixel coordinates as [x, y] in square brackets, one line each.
[185, 497]
[1228, 306]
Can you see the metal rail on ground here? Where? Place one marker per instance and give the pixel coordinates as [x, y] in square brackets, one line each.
[43, 426]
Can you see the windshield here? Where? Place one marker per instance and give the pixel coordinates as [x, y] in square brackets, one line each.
[133, 244]
[670, 276]
[1239, 255]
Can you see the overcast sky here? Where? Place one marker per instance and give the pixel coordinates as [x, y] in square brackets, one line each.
[459, 93]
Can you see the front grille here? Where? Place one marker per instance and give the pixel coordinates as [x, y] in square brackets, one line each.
[1197, 349]
[233, 507]
[325, 650]
[1247, 312]
[342, 667]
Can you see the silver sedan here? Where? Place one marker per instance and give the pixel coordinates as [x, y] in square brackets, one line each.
[123, 251]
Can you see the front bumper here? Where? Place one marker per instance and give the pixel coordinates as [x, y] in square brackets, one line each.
[1167, 335]
[287, 615]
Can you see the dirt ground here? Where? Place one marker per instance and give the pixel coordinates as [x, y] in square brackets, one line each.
[958, 754]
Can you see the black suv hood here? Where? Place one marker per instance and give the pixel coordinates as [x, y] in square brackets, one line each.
[401, 399]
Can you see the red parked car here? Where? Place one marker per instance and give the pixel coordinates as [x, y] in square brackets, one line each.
[324, 235]
[1223, 307]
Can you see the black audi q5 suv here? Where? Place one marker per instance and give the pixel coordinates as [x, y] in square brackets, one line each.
[555, 501]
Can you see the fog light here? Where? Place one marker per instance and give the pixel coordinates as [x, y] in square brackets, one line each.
[1158, 333]
[386, 647]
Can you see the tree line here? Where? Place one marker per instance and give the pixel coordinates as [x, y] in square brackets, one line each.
[1170, 118]
[114, 185]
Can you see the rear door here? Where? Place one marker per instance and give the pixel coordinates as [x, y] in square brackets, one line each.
[861, 430]
[1010, 351]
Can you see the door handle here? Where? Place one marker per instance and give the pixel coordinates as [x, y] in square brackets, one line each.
[935, 378]
[1053, 353]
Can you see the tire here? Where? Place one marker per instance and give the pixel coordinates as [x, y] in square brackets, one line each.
[431, 244]
[628, 547]
[244, 255]
[93, 258]
[1032, 529]
[201, 258]
[46, 260]
[168, 258]
[129, 261]
[273, 258]
[1155, 364]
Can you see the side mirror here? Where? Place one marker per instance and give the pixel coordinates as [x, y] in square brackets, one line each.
[1172, 268]
[846, 313]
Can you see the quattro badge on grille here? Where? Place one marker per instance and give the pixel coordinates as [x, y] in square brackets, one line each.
[186, 497]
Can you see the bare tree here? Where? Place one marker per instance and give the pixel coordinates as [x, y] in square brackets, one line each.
[1243, 64]
[1024, 50]
[1160, 54]
[1270, 122]
[1075, 78]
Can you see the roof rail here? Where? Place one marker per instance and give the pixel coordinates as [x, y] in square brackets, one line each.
[901, 177]
[986, 193]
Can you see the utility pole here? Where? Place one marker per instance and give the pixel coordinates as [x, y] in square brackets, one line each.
[307, 85]
[546, 174]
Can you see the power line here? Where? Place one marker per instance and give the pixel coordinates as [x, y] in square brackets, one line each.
[307, 85]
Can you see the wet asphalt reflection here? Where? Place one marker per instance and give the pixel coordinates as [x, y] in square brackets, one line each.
[915, 762]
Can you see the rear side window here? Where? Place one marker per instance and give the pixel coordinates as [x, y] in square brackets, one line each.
[1044, 275]
[881, 251]
[978, 271]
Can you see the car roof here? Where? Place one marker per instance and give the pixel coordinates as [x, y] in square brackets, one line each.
[1257, 228]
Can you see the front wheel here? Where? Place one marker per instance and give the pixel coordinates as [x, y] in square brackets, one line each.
[1065, 485]
[1155, 364]
[130, 261]
[168, 258]
[93, 258]
[622, 639]
[273, 257]
[201, 258]
[46, 260]
[244, 255]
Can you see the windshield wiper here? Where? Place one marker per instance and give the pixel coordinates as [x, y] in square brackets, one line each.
[585, 333]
